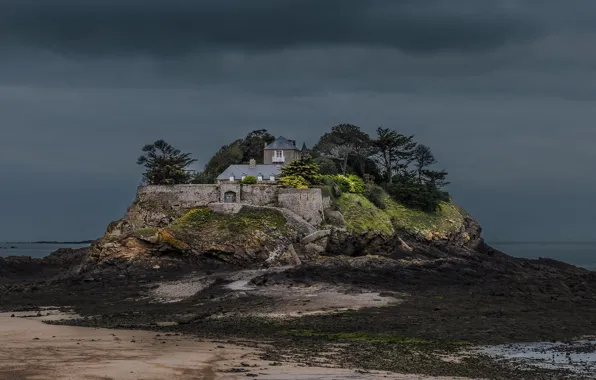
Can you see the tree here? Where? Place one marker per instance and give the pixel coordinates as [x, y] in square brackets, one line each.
[436, 178]
[407, 190]
[423, 158]
[164, 164]
[227, 155]
[304, 169]
[327, 165]
[355, 166]
[392, 151]
[253, 144]
[341, 142]
[238, 152]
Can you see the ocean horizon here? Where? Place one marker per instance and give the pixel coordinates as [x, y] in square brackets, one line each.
[35, 250]
[582, 254]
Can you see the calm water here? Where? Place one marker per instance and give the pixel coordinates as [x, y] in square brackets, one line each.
[580, 254]
[33, 250]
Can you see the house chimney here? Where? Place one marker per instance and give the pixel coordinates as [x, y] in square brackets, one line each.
[265, 144]
[252, 163]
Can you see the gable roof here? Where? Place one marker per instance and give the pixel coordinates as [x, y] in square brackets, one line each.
[238, 171]
[281, 143]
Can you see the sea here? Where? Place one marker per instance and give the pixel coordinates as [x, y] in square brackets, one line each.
[581, 254]
[33, 249]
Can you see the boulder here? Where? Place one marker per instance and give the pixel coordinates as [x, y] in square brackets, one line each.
[334, 218]
[316, 236]
[313, 250]
[287, 257]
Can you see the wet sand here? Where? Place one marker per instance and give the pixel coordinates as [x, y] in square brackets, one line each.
[32, 350]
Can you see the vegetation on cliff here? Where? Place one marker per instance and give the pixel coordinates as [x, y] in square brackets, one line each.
[249, 236]
[396, 163]
[362, 216]
[382, 185]
[300, 174]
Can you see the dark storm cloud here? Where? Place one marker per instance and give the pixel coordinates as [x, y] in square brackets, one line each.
[174, 27]
[501, 90]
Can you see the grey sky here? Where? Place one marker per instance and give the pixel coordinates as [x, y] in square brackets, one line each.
[503, 91]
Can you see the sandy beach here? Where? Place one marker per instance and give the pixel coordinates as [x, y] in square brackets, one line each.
[33, 350]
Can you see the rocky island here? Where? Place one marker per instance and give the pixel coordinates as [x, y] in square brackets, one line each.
[337, 273]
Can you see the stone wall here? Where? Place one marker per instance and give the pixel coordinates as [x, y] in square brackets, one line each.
[179, 196]
[308, 203]
[230, 187]
[260, 195]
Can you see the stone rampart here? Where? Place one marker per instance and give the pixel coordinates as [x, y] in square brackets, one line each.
[179, 196]
[259, 195]
[308, 203]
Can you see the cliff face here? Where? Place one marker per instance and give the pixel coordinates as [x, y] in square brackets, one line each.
[401, 231]
[156, 234]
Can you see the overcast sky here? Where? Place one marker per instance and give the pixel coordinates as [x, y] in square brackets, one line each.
[503, 91]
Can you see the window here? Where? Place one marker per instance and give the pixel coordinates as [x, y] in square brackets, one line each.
[232, 178]
[260, 177]
[243, 177]
[279, 153]
[271, 178]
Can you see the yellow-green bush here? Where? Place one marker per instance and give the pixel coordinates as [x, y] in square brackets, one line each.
[362, 216]
[249, 180]
[294, 181]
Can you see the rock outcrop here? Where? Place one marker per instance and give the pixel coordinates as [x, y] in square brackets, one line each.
[15, 269]
[159, 235]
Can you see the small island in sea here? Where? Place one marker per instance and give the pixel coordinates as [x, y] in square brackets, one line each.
[346, 259]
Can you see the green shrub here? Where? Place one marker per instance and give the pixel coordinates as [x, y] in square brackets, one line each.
[425, 197]
[336, 190]
[294, 181]
[350, 183]
[305, 168]
[376, 196]
[327, 191]
[249, 180]
[357, 185]
[343, 183]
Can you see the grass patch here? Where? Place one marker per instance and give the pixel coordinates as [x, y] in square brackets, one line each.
[359, 336]
[251, 228]
[363, 216]
[247, 218]
[448, 219]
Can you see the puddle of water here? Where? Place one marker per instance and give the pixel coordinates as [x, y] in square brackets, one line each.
[577, 356]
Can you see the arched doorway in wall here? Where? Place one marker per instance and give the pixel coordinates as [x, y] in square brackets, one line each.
[230, 197]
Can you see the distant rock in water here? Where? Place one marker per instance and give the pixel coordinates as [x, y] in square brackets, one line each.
[25, 268]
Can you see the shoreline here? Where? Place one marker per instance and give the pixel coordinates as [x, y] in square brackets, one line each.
[370, 312]
[32, 350]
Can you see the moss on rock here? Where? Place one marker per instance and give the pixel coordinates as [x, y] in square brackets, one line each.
[168, 238]
[363, 216]
[447, 220]
[249, 234]
[145, 232]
